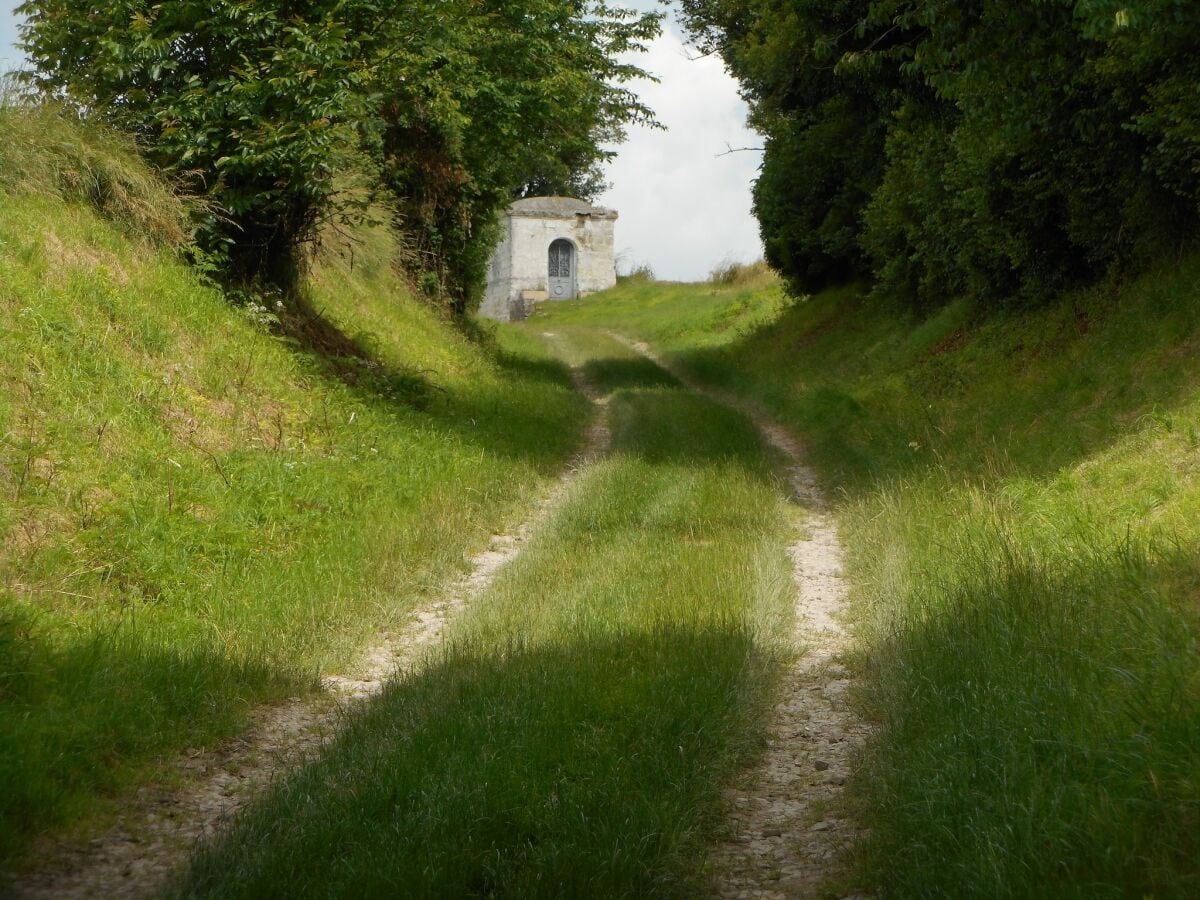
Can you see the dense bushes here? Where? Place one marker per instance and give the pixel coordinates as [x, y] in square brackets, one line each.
[286, 115]
[250, 103]
[967, 147]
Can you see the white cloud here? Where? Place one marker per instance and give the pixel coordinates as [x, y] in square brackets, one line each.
[682, 207]
[10, 58]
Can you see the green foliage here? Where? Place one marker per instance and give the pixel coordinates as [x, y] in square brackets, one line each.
[810, 225]
[265, 108]
[1029, 162]
[488, 102]
[967, 147]
[1151, 62]
[251, 104]
[823, 120]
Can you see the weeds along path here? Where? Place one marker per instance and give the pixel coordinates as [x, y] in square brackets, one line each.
[787, 831]
[153, 838]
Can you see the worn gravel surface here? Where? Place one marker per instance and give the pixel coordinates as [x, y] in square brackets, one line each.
[787, 826]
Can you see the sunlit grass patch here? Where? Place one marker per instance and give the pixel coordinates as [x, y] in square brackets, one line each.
[1033, 691]
[693, 314]
[757, 274]
[196, 514]
[45, 153]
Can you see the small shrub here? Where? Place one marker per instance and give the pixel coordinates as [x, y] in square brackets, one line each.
[639, 274]
[732, 274]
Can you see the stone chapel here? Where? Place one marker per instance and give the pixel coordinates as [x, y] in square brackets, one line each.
[551, 248]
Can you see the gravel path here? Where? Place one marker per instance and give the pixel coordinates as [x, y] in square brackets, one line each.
[786, 830]
[155, 834]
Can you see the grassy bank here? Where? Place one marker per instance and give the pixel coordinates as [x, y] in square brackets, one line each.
[1020, 498]
[574, 736]
[198, 514]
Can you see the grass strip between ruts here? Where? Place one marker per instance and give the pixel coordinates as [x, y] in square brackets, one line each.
[575, 734]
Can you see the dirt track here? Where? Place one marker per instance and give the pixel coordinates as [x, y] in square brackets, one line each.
[786, 834]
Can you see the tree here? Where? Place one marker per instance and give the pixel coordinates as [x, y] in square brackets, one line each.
[1028, 173]
[250, 104]
[499, 99]
[967, 147]
[260, 106]
[822, 105]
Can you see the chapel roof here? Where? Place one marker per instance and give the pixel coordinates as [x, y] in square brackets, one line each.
[557, 208]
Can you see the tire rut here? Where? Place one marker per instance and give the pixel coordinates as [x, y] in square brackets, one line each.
[153, 838]
[787, 827]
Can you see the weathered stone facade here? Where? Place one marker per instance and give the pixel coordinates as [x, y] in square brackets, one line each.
[551, 248]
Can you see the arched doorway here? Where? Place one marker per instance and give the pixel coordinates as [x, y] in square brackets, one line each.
[562, 270]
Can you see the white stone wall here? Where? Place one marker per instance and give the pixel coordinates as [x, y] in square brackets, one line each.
[496, 299]
[521, 260]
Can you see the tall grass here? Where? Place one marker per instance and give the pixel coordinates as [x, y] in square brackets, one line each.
[46, 152]
[1039, 735]
[574, 737]
[197, 514]
[640, 274]
[728, 274]
[1021, 506]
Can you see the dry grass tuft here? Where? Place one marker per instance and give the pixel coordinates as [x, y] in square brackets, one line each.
[46, 151]
[737, 274]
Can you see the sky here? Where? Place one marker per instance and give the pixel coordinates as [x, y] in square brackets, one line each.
[683, 208]
[8, 34]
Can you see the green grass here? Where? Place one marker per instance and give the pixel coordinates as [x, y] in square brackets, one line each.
[1020, 500]
[574, 736]
[197, 515]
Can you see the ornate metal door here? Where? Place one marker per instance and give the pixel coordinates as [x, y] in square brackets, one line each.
[562, 270]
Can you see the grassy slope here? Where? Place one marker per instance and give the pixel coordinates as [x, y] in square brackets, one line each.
[195, 515]
[1021, 501]
[574, 737]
